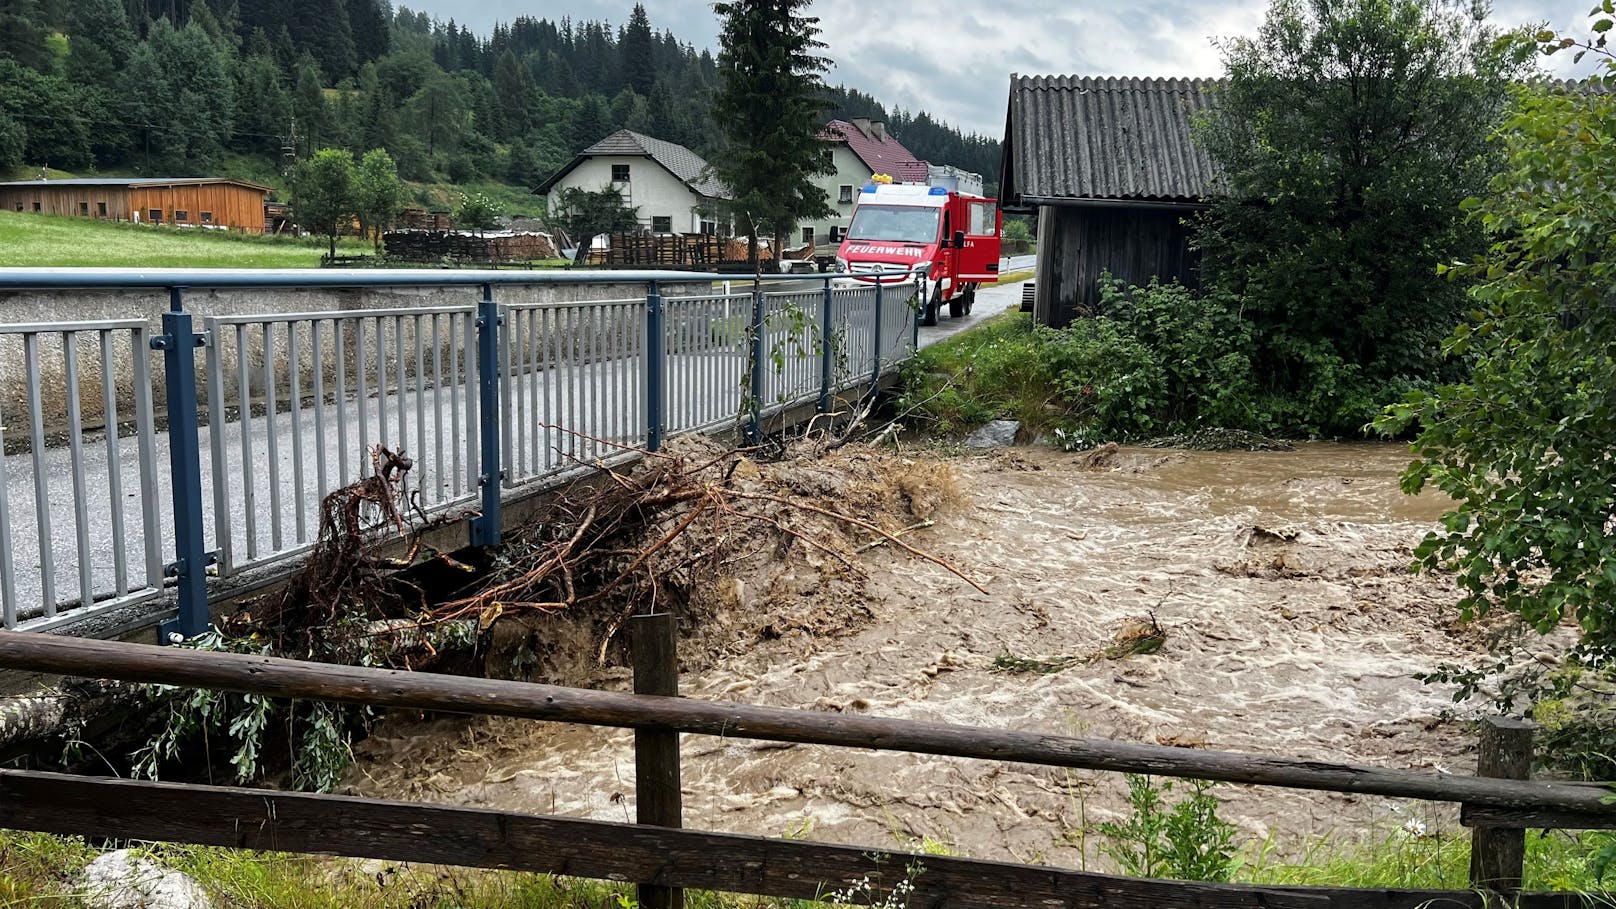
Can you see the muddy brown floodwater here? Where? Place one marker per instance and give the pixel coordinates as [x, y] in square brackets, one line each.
[1292, 627]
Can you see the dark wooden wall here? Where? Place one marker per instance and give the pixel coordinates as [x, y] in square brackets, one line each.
[65, 200]
[1077, 245]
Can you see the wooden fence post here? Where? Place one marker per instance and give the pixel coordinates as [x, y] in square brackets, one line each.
[1498, 854]
[657, 798]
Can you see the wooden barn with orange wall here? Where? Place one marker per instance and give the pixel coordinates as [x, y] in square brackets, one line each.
[185, 202]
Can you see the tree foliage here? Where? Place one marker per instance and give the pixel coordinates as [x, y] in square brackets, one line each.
[770, 107]
[1348, 132]
[323, 198]
[378, 192]
[1526, 446]
[92, 85]
[477, 211]
[585, 214]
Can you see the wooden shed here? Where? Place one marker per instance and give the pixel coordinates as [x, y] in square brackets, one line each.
[186, 202]
[1111, 168]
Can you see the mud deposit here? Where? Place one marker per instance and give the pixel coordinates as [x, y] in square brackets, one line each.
[1292, 627]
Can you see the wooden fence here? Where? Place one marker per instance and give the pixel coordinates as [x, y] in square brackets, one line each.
[662, 859]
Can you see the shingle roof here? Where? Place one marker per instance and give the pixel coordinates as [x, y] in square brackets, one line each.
[133, 181]
[1079, 138]
[683, 163]
[882, 155]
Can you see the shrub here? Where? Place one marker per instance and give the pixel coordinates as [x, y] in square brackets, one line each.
[1158, 360]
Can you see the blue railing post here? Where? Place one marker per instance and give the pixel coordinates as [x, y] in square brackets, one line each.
[825, 351]
[754, 417]
[656, 366]
[485, 527]
[190, 566]
[875, 377]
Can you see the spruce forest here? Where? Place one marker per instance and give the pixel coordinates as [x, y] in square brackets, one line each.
[237, 87]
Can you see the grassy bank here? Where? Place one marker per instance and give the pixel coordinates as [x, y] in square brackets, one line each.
[1156, 362]
[40, 870]
[1014, 277]
[27, 239]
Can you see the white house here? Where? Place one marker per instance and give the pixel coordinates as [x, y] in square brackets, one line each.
[669, 186]
[859, 149]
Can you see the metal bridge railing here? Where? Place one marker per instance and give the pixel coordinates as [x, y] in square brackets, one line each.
[484, 398]
[83, 414]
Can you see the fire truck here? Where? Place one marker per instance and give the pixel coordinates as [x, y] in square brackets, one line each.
[899, 229]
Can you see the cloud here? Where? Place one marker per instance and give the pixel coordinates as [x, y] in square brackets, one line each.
[955, 63]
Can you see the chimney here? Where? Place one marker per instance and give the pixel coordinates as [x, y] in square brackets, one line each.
[864, 126]
[878, 130]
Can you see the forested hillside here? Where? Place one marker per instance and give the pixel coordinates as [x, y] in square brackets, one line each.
[236, 87]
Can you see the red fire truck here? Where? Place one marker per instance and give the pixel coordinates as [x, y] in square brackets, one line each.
[901, 228]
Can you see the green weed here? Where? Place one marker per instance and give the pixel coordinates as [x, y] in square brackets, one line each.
[1183, 841]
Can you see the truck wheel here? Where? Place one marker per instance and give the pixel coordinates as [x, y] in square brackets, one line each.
[970, 299]
[956, 306]
[929, 317]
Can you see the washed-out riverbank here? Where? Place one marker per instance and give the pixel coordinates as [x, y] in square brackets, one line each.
[1292, 624]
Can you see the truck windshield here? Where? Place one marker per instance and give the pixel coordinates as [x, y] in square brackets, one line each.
[894, 224]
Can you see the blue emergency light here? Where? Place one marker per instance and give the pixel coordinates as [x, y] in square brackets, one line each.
[939, 191]
[868, 188]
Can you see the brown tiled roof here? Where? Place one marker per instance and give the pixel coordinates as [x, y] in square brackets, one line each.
[881, 154]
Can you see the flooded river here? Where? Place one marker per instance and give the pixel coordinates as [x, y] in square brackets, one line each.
[1292, 627]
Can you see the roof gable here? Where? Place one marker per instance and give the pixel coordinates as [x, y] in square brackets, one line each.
[690, 168]
[881, 153]
[1093, 139]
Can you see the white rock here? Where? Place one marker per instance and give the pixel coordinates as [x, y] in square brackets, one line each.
[122, 880]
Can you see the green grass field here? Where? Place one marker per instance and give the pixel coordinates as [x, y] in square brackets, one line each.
[28, 239]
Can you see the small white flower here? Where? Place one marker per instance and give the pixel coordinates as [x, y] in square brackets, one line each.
[1414, 827]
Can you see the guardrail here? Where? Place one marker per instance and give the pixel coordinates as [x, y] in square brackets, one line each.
[93, 354]
[658, 856]
[485, 398]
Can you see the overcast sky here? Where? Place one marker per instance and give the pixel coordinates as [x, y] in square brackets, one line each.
[954, 59]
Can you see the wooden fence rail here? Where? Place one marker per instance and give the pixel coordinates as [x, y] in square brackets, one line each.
[663, 857]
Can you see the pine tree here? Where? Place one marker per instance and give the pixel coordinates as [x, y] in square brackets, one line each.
[636, 50]
[22, 34]
[368, 21]
[263, 107]
[514, 95]
[182, 97]
[769, 106]
[320, 28]
[310, 112]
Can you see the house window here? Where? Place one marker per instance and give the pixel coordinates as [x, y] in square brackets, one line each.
[19, 206]
[619, 173]
[84, 208]
[181, 215]
[808, 235]
[154, 215]
[36, 206]
[662, 224]
[101, 209]
[835, 233]
[708, 228]
[846, 195]
[207, 217]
